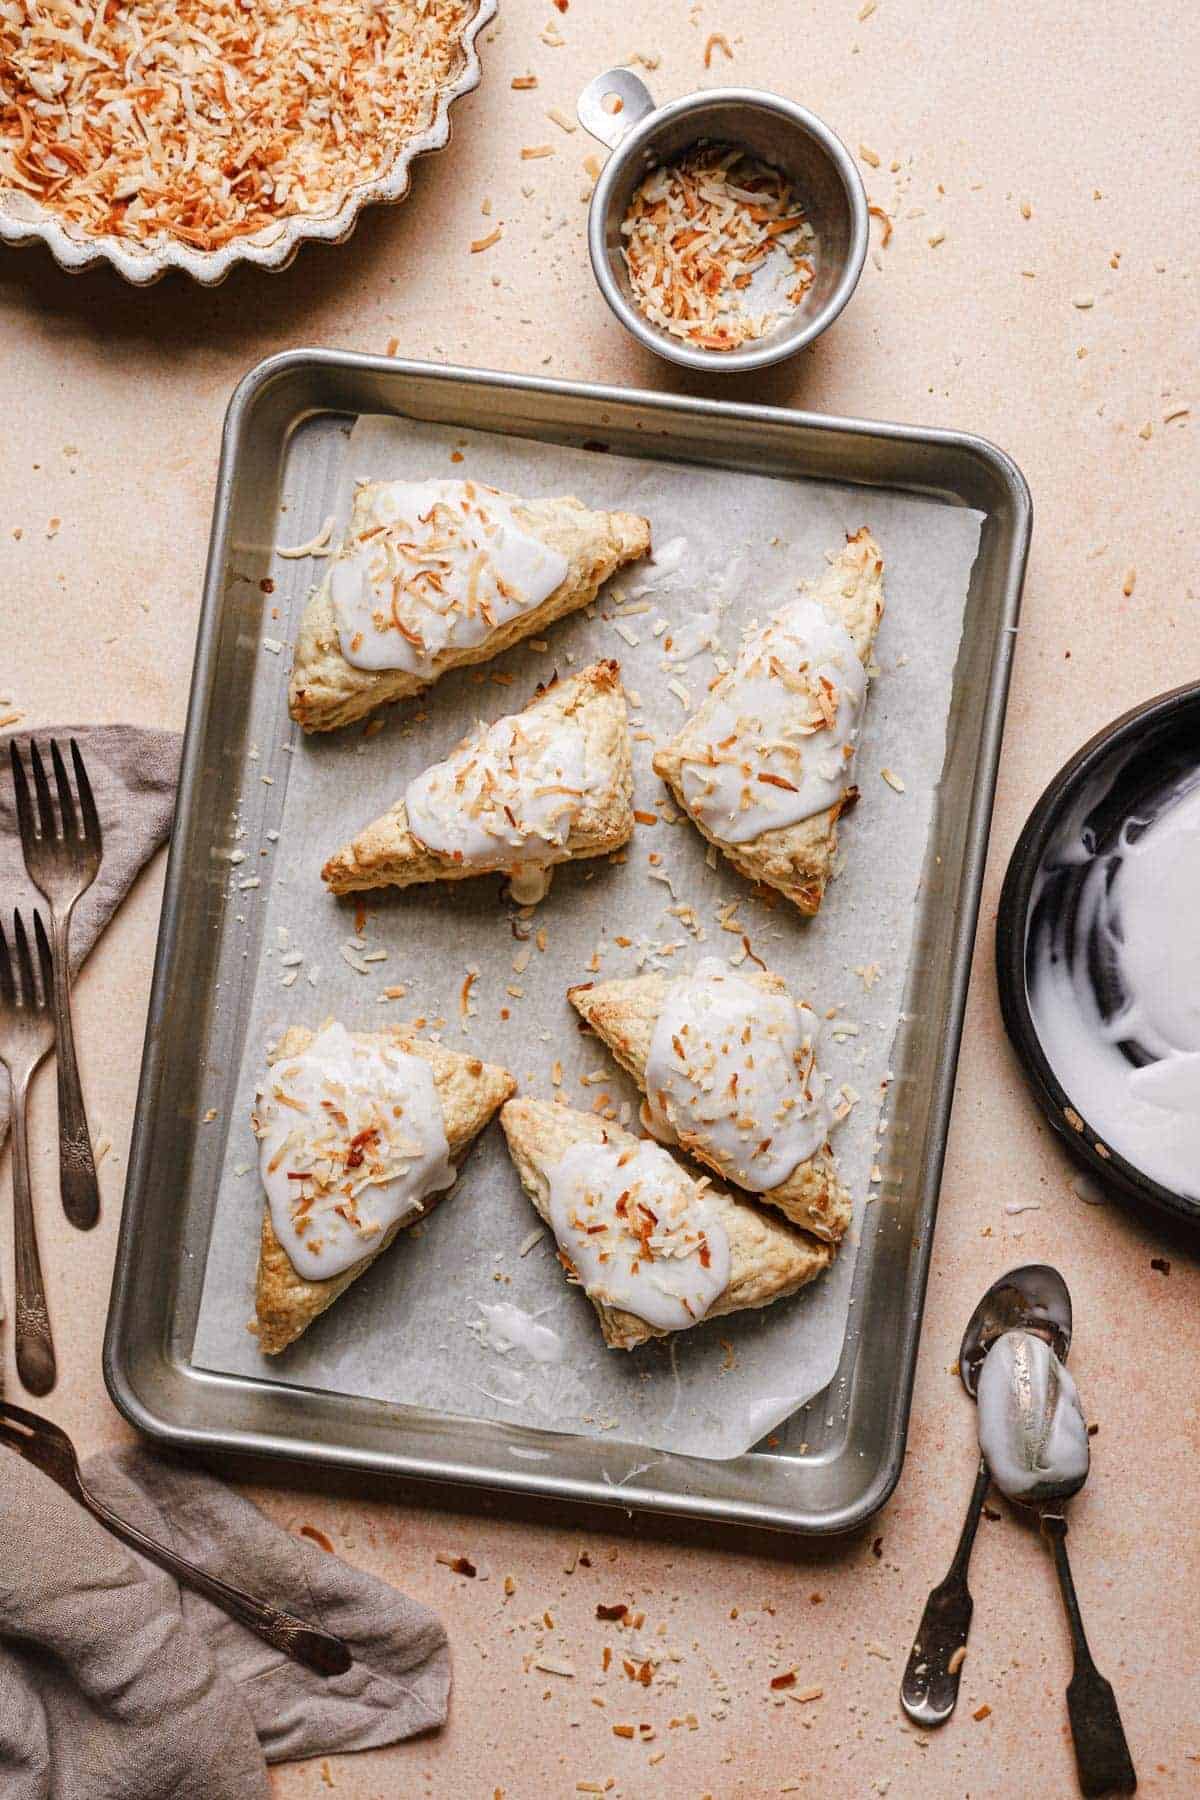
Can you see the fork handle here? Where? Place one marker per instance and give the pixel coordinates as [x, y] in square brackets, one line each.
[317, 1650]
[76, 1164]
[34, 1345]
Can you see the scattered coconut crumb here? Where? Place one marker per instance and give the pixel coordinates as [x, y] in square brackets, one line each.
[553, 1665]
[316, 546]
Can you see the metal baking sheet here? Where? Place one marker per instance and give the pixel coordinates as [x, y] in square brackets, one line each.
[836, 1459]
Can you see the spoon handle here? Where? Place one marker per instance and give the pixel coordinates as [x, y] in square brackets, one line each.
[929, 1690]
[1101, 1752]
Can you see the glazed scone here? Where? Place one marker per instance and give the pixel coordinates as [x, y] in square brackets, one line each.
[728, 1063]
[536, 788]
[432, 575]
[763, 766]
[359, 1136]
[654, 1249]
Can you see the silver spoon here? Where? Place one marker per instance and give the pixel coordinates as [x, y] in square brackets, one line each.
[1035, 1297]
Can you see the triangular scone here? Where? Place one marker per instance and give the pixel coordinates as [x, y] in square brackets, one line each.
[763, 765]
[678, 1245]
[538, 787]
[729, 1061]
[465, 1093]
[432, 575]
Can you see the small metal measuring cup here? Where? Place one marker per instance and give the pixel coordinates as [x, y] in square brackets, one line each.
[619, 110]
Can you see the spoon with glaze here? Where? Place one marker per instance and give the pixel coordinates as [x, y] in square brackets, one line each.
[1034, 1298]
[1035, 1439]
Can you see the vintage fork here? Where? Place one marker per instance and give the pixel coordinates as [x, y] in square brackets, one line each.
[26, 1034]
[63, 865]
[49, 1448]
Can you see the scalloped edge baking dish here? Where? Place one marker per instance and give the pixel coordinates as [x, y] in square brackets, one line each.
[273, 251]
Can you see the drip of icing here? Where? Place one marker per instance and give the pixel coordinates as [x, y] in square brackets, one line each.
[640, 1234]
[732, 1071]
[782, 727]
[1032, 1431]
[694, 633]
[432, 566]
[1129, 1057]
[507, 1327]
[662, 571]
[530, 885]
[351, 1140]
[508, 792]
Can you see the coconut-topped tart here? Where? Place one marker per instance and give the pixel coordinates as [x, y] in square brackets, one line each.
[655, 1249]
[728, 1063]
[764, 766]
[539, 787]
[359, 1135]
[432, 575]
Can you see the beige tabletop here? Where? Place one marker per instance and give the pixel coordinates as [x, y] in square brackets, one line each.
[1040, 287]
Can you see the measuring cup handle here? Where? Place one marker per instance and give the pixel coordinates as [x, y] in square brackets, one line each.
[610, 127]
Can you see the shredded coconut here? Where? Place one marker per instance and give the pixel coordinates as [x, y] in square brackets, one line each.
[717, 247]
[207, 120]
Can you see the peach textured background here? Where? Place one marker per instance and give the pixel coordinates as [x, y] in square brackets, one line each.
[113, 403]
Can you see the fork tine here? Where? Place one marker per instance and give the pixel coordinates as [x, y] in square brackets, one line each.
[8, 995]
[66, 799]
[25, 981]
[45, 959]
[46, 820]
[21, 789]
[87, 805]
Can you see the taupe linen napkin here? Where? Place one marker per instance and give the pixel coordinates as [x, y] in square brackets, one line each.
[115, 1684]
[133, 774]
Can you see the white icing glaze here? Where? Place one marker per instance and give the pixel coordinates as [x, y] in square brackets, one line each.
[1031, 1426]
[530, 885]
[782, 727]
[660, 1250]
[430, 566]
[508, 792]
[505, 1327]
[351, 1139]
[1133, 917]
[732, 1071]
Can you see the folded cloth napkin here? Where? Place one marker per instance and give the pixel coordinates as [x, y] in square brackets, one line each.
[133, 774]
[115, 1684]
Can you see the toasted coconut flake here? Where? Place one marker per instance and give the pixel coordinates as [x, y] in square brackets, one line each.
[877, 212]
[717, 247]
[201, 121]
[316, 546]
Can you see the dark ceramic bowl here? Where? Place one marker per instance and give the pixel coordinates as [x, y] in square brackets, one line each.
[1121, 769]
